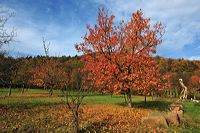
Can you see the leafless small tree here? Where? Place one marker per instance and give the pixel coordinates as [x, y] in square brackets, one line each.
[47, 60]
[73, 101]
[5, 36]
[74, 98]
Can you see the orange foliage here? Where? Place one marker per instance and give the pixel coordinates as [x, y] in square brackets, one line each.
[195, 81]
[102, 118]
[50, 73]
[112, 118]
[120, 57]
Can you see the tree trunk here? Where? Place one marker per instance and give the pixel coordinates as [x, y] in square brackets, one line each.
[145, 99]
[152, 96]
[22, 88]
[51, 92]
[125, 98]
[129, 100]
[10, 90]
[76, 122]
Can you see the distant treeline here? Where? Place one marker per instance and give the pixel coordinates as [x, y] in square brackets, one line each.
[63, 72]
[31, 72]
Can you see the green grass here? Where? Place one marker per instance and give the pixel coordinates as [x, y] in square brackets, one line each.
[17, 99]
[192, 114]
[4, 91]
[138, 101]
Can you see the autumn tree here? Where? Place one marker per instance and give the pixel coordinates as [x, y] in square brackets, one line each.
[166, 82]
[113, 55]
[49, 74]
[194, 84]
[7, 68]
[23, 73]
[195, 81]
[164, 64]
[152, 81]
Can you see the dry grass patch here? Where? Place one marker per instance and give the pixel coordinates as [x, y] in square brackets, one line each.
[111, 117]
[58, 117]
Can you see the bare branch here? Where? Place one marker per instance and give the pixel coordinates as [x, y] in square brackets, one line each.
[5, 36]
[46, 47]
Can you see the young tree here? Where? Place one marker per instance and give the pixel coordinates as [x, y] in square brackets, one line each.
[74, 98]
[23, 73]
[49, 74]
[194, 85]
[113, 55]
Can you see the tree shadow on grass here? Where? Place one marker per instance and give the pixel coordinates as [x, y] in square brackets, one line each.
[155, 105]
[197, 104]
[27, 105]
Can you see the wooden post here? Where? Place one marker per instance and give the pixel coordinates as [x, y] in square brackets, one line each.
[184, 91]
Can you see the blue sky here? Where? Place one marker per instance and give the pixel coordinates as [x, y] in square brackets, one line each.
[63, 23]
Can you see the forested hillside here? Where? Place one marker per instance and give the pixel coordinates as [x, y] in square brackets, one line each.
[59, 72]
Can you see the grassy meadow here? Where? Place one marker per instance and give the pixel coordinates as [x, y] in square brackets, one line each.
[35, 110]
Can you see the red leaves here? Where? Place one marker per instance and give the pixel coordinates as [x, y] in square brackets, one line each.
[50, 73]
[120, 56]
[195, 81]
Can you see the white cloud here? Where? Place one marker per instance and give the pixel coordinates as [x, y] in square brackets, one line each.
[194, 58]
[29, 40]
[181, 18]
[29, 37]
